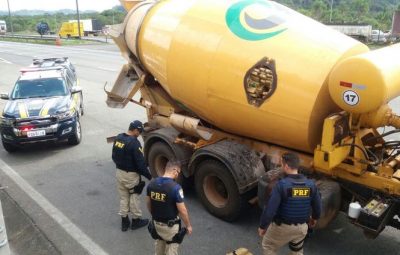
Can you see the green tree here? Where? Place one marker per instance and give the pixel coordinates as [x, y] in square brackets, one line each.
[319, 9]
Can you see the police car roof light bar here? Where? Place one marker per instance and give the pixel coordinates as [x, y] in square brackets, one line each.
[38, 69]
[55, 60]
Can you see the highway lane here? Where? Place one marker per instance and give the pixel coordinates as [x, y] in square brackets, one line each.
[80, 181]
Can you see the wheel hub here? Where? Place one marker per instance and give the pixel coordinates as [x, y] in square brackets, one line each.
[160, 163]
[215, 191]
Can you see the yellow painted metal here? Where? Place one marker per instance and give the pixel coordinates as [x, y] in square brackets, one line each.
[374, 77]
[329, 155]
[329, 158]
[384, 116]
[190, 50]
[373, 180]
[201, 63]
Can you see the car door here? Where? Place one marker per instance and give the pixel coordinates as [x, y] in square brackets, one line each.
[72, 86]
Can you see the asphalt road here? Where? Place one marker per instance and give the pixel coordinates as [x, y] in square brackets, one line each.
[80, 181]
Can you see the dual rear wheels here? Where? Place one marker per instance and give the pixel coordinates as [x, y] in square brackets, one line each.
[214, 184]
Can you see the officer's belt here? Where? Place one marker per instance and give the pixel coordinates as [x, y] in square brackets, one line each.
[282, 221]
[128, 171]
[170, 223]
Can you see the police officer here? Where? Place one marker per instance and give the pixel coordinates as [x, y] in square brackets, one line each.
[165, 202]
[127, 154]
[284, 220]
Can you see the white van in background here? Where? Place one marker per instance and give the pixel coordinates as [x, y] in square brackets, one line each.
[378, 36]
[3, 27]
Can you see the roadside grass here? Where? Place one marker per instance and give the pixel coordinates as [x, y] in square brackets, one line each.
[64, 42]
[375, 46]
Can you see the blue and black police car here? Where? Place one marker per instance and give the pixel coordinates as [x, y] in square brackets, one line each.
[45, 104]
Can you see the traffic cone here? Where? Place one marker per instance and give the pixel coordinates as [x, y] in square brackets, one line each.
[58, 41]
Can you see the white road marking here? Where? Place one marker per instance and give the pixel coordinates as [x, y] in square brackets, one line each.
[87, 243]
[5, 61]
[107, 69]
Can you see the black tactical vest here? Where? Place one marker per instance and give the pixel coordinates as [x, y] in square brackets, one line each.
[296, 200]
[120, 154]
[163, 204]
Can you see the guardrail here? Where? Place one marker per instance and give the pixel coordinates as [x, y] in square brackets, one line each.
[49, 37]
[28, 37]
[4, 246]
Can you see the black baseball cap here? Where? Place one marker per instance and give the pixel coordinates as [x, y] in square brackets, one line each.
[136, 125]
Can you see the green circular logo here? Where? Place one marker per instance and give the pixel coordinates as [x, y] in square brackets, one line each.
[243, 25]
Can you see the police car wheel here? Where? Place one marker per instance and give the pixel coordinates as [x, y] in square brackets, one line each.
[76, 138]
[9, 147]
[218, 191]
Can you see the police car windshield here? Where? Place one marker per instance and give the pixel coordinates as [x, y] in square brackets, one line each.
[50, 87]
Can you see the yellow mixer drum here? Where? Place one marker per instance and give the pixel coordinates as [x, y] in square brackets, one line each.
[252, 67]
[363, 83]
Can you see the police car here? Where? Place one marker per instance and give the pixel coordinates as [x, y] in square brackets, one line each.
[45, 104]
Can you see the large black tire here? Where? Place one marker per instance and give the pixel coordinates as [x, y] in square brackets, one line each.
[331, 201]
[10, 148]
[76, 137]
[218, 191]
[159, 155]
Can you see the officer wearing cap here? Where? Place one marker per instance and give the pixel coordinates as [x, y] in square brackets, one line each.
[127, 154]
[285, 217]
[165, 203]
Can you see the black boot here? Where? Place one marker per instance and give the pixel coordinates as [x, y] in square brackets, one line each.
[138, 223]
[125, 223]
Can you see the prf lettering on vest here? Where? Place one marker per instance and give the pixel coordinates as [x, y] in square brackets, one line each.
[301, 192]
[119, 145]
[158, 196]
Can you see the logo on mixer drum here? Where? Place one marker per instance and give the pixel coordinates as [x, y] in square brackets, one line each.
[254, 20]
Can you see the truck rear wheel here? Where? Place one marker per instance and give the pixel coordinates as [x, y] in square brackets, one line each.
[331, 201]
[158, 157]
[218, 191]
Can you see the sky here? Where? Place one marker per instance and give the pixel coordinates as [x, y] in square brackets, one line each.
[50, 5]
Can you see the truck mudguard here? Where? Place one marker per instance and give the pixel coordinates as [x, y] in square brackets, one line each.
[244, 164]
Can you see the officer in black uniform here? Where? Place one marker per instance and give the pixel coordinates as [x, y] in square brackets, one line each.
[165, 202]
[127, 154]
[284, 219]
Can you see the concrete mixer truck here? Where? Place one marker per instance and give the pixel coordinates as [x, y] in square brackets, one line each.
[229, 86]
